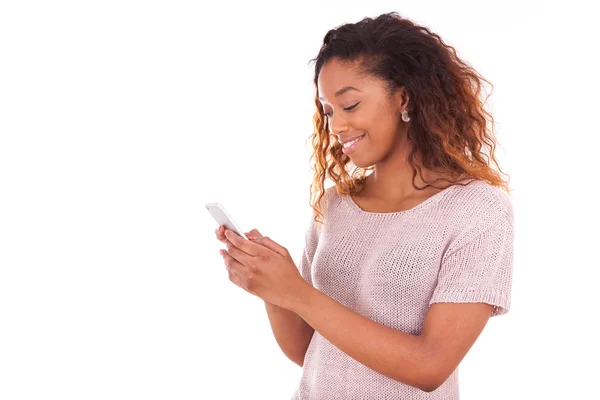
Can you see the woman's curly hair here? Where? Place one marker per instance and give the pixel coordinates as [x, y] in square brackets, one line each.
[449, 125]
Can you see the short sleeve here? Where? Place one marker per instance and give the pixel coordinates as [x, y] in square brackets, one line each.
[311, 240]
[480, 270]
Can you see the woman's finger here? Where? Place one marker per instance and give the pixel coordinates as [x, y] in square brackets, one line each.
[268, 243]
[238, 254]
[233, 264]
[253, 234]
[234, 278]
[220, 232]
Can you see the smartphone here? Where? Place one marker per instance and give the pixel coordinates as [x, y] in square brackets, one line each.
[223, 218]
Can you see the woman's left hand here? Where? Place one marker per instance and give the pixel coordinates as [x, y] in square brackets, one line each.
[265, 269]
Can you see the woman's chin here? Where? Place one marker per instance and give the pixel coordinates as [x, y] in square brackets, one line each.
[361, 163]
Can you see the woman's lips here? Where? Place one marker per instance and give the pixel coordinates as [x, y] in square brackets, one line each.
[350, 146]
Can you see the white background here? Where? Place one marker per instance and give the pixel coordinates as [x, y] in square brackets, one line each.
[120, 119]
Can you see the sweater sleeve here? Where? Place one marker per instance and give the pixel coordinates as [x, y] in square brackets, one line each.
[311, 240]
[480, 269]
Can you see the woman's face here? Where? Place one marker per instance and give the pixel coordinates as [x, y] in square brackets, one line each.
[361, 107]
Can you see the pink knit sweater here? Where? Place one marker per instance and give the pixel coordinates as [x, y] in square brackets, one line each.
[456, 246]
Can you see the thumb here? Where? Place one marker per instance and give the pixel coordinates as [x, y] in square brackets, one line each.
[253, 234]
[268, 243]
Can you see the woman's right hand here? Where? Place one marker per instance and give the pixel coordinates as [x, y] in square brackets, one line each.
[252, 235]
[220, 232]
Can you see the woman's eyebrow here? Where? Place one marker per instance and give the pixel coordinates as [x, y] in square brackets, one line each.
[342, 91]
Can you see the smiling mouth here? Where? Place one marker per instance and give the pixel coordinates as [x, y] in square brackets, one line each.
[350, 146]
[352, 140]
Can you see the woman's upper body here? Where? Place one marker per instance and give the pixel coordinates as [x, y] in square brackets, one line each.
[454, 247]
[408, 245]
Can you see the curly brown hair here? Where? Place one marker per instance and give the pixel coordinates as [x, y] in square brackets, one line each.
[449, 126]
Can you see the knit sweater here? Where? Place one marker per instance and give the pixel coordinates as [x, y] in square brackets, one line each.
[456, 246]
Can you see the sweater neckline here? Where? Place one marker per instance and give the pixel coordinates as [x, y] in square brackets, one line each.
[422, 204]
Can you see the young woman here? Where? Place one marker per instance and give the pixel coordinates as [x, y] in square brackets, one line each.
[400, 273]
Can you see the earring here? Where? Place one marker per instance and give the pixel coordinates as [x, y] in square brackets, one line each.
[405, 116]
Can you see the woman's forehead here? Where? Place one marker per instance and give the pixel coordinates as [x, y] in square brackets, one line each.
[336, 80]
[335, 71]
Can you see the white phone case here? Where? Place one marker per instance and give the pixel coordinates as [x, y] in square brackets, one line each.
[223, 218]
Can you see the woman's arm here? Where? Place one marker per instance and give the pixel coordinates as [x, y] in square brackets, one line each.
[423, 361]
[291, 332]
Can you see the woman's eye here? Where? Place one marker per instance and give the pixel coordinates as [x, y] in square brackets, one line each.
[328, 115]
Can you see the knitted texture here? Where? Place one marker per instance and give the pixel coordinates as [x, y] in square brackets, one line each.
[456, 246]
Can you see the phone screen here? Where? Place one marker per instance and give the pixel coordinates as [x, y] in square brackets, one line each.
[222, 217]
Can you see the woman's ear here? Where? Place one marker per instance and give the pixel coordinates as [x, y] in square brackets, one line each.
[402, 99]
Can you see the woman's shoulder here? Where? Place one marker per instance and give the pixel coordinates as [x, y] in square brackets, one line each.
[481, 196]
[473, 210]
[478, 203]
[330, 194]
